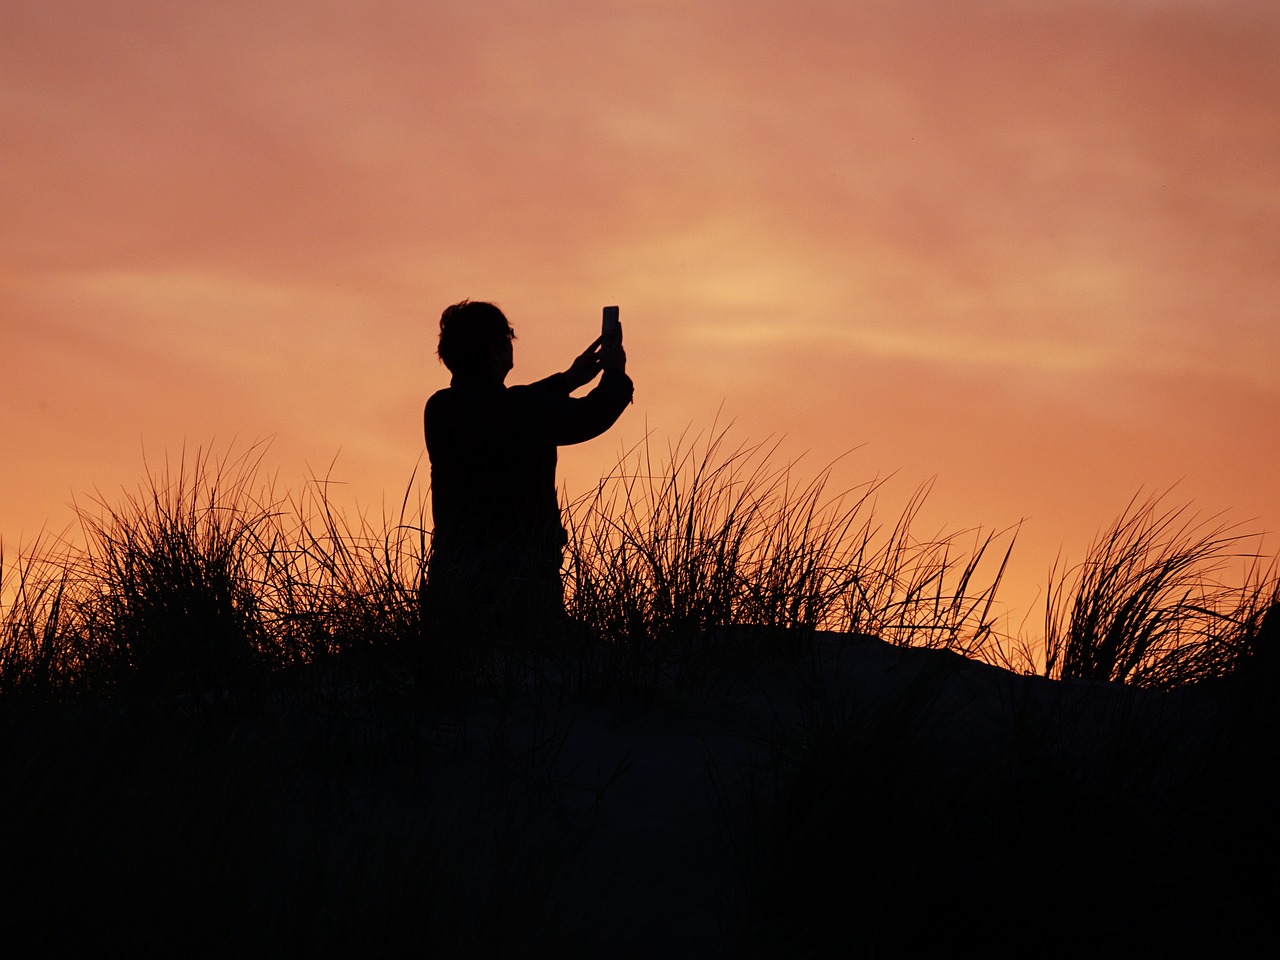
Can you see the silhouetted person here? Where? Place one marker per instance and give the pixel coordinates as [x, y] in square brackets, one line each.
[498, 542]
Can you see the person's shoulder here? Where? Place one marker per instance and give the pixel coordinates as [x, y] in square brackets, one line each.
[441, 406]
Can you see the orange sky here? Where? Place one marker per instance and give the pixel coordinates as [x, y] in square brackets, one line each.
[1027, 248]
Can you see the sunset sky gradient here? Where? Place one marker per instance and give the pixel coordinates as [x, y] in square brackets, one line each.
[1028, 248]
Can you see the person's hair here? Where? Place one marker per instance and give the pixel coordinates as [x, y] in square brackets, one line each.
[468, 332]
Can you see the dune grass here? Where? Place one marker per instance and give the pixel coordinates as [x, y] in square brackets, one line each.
[1149, 605]
[217, 673]
[206, 582]
[669, 561]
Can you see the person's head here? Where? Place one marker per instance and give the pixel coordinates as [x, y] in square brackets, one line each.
[475, 339]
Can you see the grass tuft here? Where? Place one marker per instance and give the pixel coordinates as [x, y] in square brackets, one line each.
[669, 560]
[1149, 606]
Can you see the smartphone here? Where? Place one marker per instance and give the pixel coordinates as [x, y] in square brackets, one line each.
[611, 328]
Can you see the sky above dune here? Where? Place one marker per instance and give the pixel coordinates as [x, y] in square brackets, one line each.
[1026, 250]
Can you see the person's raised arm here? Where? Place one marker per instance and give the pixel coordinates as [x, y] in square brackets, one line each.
[582, 418]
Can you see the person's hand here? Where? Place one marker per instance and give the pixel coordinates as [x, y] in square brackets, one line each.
[585, 366]
[613, 357]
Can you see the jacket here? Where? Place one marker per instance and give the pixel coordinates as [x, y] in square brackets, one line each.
[493, 457]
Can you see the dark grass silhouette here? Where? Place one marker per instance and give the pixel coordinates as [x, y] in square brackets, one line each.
[782, 728]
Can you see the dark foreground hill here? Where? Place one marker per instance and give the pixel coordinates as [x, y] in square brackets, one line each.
[853, 799]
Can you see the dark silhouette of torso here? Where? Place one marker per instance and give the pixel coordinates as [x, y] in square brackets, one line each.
[493, 465]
